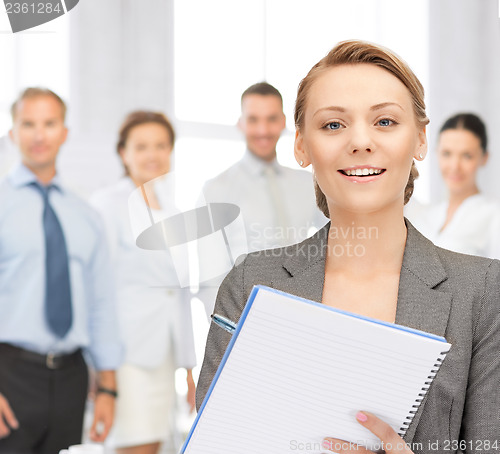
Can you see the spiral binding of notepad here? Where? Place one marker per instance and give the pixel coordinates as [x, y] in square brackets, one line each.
[421, 396]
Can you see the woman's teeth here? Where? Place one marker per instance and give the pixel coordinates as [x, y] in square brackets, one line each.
[363, 172]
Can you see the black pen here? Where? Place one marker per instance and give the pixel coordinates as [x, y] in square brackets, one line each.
[224, 323]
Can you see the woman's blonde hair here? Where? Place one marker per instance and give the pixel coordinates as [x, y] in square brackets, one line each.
[354, 52]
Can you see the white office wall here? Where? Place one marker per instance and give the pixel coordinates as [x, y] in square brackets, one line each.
[193, 58]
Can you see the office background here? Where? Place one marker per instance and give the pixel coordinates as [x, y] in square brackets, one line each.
[192, 59]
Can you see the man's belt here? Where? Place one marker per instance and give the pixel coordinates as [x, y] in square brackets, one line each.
[50, 360]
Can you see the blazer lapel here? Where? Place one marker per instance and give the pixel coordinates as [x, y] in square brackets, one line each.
[306, 267]
[420, 305]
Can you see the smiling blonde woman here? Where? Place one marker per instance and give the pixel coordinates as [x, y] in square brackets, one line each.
[360, 122]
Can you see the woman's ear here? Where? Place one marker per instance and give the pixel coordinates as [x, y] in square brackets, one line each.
[298, 150]
[484, 158]
[422, 145]
[123, 155]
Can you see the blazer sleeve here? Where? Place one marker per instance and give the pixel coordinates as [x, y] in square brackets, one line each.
[230, 302]
[481, 419]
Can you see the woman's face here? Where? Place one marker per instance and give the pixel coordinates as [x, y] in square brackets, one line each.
[460, 156]
[360, 135]
[147, 152]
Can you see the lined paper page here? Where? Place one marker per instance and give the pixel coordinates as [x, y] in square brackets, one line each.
[299, 372]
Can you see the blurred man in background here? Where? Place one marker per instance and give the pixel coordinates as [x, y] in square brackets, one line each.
[56, 297]
[277, 203]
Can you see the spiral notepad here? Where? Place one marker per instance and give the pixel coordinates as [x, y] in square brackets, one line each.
[296, 371]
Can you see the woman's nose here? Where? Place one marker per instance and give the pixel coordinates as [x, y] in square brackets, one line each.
[361, 139]
[455, 164]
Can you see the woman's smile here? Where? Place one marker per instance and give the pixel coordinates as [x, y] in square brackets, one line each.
[362, 173]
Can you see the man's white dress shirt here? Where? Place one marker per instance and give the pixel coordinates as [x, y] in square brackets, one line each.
[22, 272]
[247, 185]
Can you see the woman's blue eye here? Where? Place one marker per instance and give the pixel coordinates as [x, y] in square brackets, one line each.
[385, 122]
[334, 125]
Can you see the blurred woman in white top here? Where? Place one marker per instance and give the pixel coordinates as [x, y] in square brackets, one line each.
[467, 221]
[154, 312]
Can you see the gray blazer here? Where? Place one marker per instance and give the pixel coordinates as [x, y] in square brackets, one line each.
[452, 295]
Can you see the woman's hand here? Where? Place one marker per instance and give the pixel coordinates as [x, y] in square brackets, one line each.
[390, 441]
[191, 394]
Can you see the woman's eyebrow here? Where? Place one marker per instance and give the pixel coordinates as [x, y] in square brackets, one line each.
[379, 106]
[330, 109]
[385, 104]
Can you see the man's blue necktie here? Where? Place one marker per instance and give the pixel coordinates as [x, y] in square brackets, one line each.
[58, 310]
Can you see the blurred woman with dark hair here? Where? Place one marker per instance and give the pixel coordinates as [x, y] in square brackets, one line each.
[467, 221]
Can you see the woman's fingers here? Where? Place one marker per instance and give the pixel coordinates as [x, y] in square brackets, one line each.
[390, 441]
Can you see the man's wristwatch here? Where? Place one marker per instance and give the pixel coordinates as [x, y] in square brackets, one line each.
[111, 392]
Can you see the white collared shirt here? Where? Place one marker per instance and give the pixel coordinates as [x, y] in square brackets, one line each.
[154, 313]
[244, 184]
[22, 272]
[474, 228]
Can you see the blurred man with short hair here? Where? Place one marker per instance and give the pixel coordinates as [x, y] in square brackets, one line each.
[277, 203]
[56, 297]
